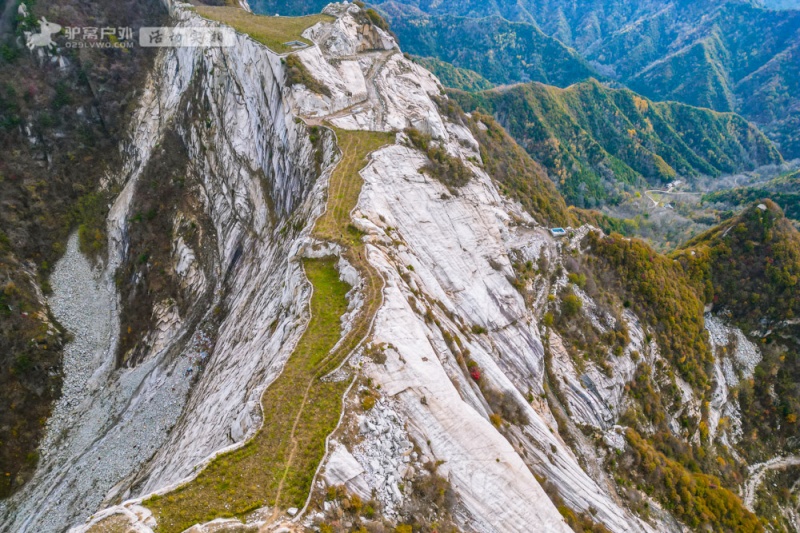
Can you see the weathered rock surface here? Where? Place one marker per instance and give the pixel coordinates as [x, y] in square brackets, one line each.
[120, 434]
[735, 358]
[132, 430]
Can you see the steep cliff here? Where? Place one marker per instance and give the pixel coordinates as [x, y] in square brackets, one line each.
[339, 319]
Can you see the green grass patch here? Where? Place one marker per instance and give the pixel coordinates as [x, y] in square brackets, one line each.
[270, 31]
[345, 183]
[297, 73]
[288, 448]
[276, 467]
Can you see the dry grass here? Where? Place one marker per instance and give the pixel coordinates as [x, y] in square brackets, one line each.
[251, 477]
[345, 184]
[334, 225]
[116, 523]
[277, 466]
[271, 31]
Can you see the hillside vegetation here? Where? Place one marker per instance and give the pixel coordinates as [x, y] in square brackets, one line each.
[60, 128]
[288, 8]
[658, 290]
[696, 498]
[30, 369]
[749, 265]
[728, 56]
[783, 190]
[450, 76]
[599, 143]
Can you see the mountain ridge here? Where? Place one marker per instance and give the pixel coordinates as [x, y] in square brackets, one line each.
[359, 314]
[718, 49]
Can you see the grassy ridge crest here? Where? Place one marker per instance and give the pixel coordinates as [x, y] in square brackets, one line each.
[277, 466]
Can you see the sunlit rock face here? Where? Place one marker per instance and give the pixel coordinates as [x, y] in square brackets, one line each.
[257, 178]
[251, 167]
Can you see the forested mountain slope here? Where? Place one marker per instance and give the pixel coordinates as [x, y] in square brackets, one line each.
[729, 56]
[750, 266]
[450, 76]
[499, 50]
[749, 270]
[314, 295]
[784, 190]
[60, 127]
[597, 143]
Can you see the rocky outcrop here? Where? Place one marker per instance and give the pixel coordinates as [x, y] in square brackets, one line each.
[463, 371]
[458, 247]
[735, 358]
[136, 429]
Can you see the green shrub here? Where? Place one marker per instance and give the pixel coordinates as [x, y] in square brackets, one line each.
[577, 279]
[89, 214]
[441, 165]
[376, 19]
[298, 74]
[504, 405]
[571, 305]
[23, 364]
[367, 402]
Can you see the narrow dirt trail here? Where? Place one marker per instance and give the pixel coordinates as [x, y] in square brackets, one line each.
[373, 98]
[757, 473]
[276, 511]
[276, 468]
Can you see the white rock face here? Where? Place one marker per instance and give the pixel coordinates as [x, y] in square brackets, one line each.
[440, 254]
[594, 397]
[449, 241]
[142, 428]
[735, 358]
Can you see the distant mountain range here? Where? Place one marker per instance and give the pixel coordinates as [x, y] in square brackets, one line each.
[728, 56]
[598, 142]
[499, 50]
